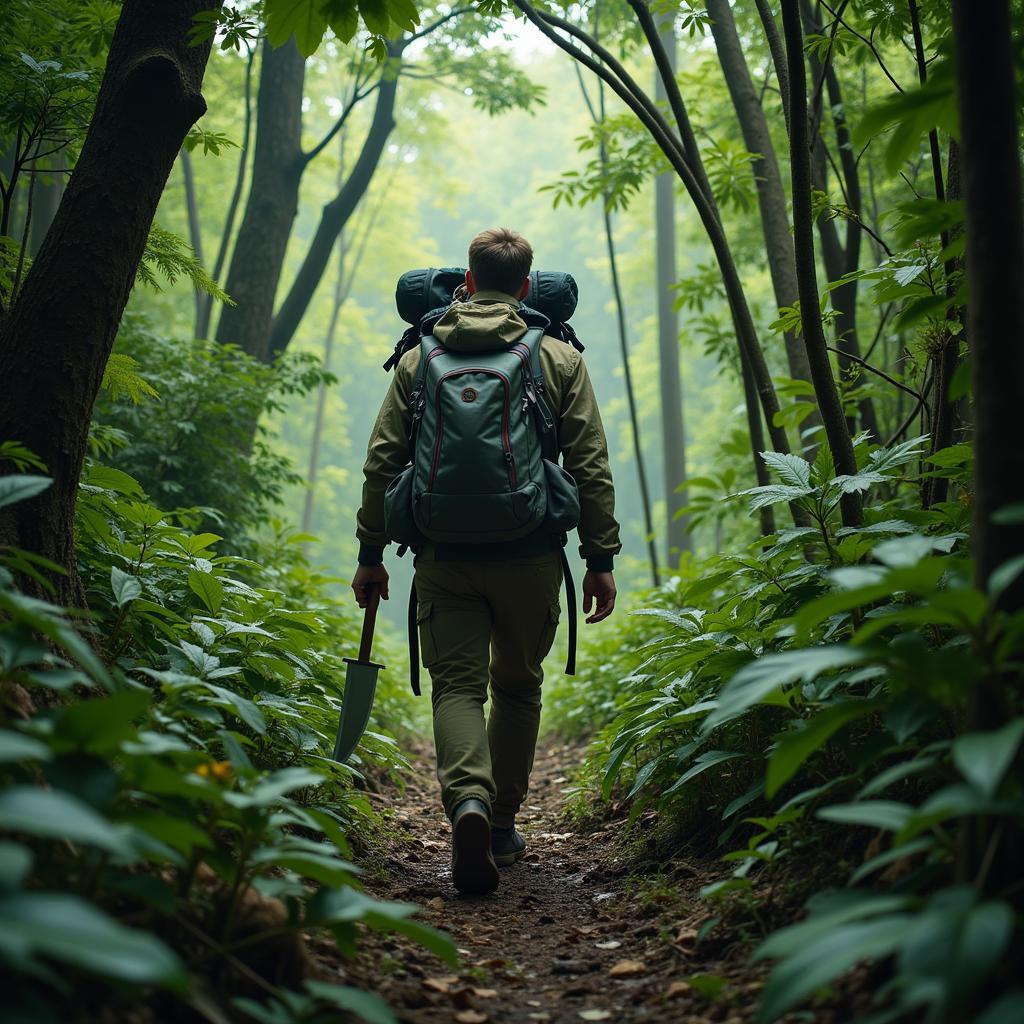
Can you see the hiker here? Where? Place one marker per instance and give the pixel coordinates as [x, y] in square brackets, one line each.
[488, 611]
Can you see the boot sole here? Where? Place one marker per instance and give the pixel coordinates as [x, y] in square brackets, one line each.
[473, 869]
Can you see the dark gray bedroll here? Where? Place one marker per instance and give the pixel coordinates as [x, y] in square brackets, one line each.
[421, 294]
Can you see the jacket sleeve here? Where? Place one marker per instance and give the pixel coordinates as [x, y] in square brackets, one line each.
[585, 456]
[386, 455]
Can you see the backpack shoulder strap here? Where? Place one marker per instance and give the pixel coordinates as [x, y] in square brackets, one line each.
[536, 393]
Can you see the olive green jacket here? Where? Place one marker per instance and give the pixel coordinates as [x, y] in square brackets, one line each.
[473, 325]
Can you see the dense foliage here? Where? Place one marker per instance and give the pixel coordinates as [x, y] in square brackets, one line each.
[823, 700]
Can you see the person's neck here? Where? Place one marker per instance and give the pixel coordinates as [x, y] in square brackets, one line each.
[493, 295]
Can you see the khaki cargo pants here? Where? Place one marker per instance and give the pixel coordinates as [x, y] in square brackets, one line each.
[486, 623]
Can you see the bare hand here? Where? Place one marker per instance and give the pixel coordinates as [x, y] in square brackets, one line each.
[368, 576]
[598, 587]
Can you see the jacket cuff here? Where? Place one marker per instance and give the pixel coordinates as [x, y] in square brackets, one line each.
[601, 563]
[370, 554]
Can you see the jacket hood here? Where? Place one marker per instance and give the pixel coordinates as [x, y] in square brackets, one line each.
[479, 325]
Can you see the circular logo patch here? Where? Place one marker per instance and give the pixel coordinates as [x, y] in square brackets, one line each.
[469, 395]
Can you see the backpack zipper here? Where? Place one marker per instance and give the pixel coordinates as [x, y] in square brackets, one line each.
[506, 440]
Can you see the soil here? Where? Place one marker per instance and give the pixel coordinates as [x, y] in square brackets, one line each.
[571, 934]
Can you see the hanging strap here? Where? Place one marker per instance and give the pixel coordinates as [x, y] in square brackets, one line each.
[570, 604]
[414, 643]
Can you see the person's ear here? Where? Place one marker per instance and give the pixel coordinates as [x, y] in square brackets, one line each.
[470, 283]
[525, 289]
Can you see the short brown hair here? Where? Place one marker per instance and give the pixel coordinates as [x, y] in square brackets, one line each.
[500, 260]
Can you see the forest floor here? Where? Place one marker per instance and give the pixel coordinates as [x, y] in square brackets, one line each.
[580, 930]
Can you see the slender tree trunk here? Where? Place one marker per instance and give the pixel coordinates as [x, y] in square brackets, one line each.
[836, 428]
[333, 218]
[771, 196]
[227, 233]
[272, 204]
[195, 229]
[321, 395]
[55, 342]
[757, 445]
[839, 259]
[778, 52]
[991, 180]
[49, 190]
[673, 437]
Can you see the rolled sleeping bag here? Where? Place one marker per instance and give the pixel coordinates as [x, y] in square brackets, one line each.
[419, 292]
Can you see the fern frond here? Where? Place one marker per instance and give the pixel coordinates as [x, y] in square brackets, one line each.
[170, 256]
[121, 379]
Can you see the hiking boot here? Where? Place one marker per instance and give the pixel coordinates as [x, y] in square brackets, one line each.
[473, 869]
[507, 846]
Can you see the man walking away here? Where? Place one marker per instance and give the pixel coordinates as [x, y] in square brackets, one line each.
[487, 613]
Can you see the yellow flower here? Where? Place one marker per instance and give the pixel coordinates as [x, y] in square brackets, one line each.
[219, 770]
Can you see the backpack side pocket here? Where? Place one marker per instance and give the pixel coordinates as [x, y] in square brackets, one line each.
[563, 512]
[399, 524]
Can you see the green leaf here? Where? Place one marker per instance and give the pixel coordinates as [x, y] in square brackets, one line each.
[302, 18]
[208, 588]
[835, 952]
[126, 587]
[50, 814]
[21, 487]
[984, 757]
[884, 814]
[367, 1006]
[273, 787]
[246, 710]
[15, 746]
[794, 747]
[15, 864]
[757, 680]
[100, 724]
[707, 760]
[791, 469]
[70, 930]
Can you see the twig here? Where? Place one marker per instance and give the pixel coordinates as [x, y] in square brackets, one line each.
[921, 403]
[874, 369]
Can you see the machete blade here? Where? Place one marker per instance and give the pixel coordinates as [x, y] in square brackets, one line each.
[360, 688]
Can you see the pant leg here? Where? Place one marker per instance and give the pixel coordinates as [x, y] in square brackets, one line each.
[454, 620]
[524, 598]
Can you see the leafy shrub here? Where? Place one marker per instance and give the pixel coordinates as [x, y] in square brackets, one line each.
[181, 819]
[813, 694]
[198, 444]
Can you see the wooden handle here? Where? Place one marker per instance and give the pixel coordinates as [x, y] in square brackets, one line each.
[369, 620]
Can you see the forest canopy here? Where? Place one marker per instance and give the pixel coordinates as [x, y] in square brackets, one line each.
[797, 232]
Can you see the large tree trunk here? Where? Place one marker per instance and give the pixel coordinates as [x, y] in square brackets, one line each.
[771, 196]
[272, 204]
[49, 188]
[56, 340]
[673, 438]
[991, 182]
[836, 429]
[334, 217]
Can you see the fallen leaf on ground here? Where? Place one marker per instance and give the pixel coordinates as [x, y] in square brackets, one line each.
[678, 988]
[471, 1017]
[485, 993]
[610, 944]
[595, 1014]
[628, 969]
[436, 903]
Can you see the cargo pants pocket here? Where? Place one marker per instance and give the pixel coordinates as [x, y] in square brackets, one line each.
[428, 641]
[547, 635]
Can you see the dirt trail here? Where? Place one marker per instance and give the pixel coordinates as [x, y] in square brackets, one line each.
[568, 937]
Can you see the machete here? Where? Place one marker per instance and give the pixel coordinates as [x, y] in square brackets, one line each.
[360, 685]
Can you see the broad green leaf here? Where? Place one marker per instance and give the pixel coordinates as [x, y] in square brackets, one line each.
[20, 487]
[100, 724]
[791, 469]
[795, 746]
[125, 586]
[274, 787]
[246, 710]
[302, 18]
[16, 746]
[983, 757]
[70, 930]
[760, 678]
[367, 1006]
[15, 864]
[50, 814]
[208, 588]
[884, 814]
[707, 760]
[832, 954]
